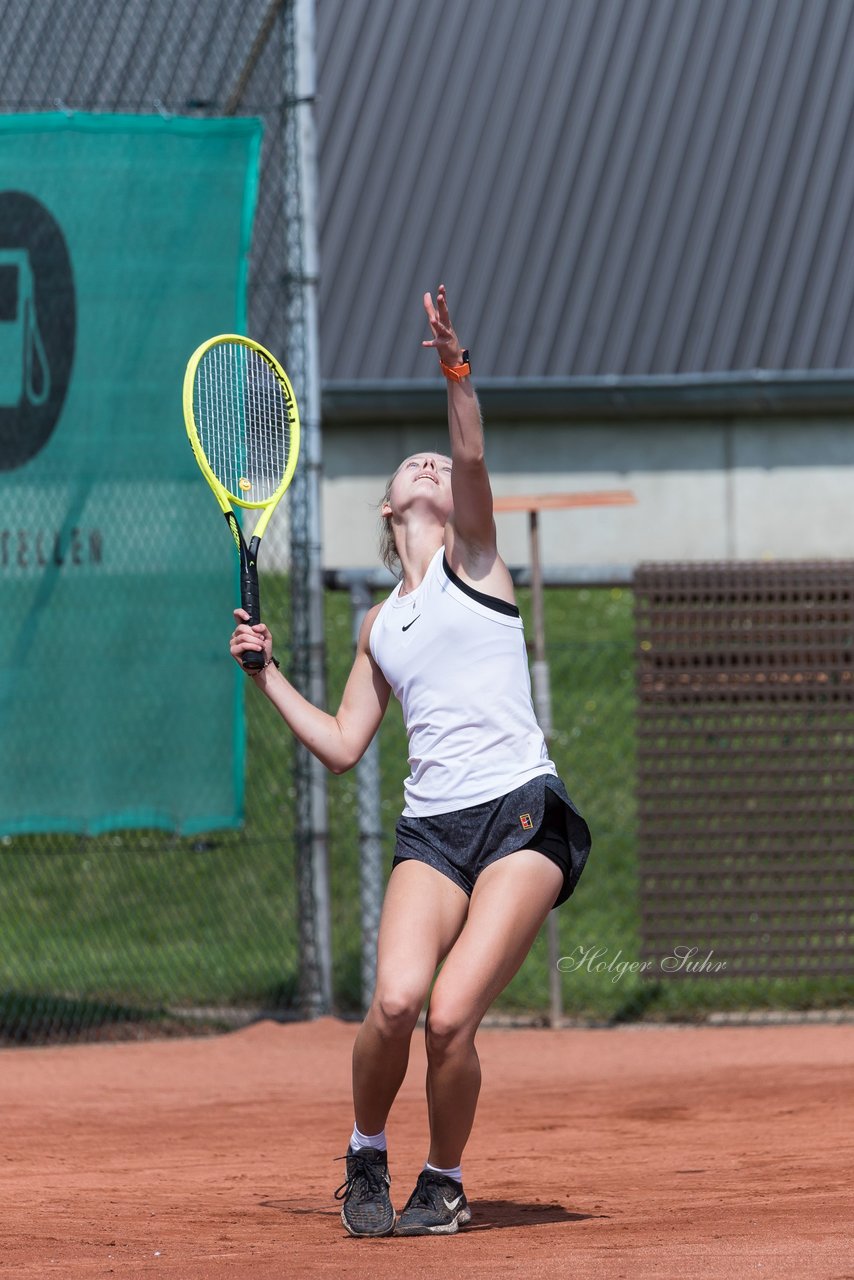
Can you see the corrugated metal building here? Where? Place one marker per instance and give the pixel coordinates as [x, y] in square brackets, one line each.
[612, 186]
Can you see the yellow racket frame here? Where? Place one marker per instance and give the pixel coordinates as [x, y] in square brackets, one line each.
[223, 496]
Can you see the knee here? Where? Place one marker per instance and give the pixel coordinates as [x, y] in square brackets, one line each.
[395, 1012]
[448, 1029]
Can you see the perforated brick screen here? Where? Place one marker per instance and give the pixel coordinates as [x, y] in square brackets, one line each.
[746, 767]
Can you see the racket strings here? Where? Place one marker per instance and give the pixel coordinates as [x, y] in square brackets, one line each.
[243, 421]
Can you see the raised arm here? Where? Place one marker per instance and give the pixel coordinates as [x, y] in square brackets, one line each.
[338, 741]
[470, 538]
[473, 523]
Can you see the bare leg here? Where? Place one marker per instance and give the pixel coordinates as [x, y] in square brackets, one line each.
[423, 913]
[511, 899]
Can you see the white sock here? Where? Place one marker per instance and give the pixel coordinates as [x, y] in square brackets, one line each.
[456, 1174]
[358, 1140]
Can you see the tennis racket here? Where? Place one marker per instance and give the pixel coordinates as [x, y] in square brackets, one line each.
[242, 419]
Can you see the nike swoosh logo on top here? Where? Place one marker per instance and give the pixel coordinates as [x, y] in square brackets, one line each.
[410, 624]
[452, 1204]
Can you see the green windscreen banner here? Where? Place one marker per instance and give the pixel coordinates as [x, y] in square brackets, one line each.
[124, 243]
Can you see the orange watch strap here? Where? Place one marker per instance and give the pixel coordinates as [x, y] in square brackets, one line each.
[457, 372]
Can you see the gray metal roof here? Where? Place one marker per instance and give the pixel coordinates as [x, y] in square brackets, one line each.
[619, 187]
[607, 187]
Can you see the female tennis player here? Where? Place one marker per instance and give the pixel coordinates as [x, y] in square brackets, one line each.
[489, 841]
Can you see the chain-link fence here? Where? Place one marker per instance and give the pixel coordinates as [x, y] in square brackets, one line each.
[134, 928]
[115, 926]
[119, 926]
[102, 935]
[132, 925]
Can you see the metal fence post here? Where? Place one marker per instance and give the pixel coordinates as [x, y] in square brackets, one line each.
[541, 678]
[543, 707]
[370, 825]
[306, 560]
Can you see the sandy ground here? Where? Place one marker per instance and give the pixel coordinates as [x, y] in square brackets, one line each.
[636, 1152]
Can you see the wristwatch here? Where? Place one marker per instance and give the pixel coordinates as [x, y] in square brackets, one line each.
[457, 372]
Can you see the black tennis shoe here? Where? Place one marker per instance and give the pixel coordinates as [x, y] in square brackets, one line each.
[437, 1207]
[367, 1208]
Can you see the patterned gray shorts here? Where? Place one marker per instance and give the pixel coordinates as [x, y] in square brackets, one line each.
[538, 815]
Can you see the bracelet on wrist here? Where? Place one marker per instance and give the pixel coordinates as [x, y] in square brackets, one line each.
[275, 662]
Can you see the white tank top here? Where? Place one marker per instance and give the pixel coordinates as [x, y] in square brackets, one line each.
[456, 662]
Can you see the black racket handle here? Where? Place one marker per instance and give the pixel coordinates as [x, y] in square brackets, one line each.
[250, 599]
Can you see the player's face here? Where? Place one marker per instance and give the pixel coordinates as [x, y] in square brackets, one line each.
[423, 477]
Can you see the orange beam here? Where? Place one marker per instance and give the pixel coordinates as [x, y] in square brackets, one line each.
[557, 501]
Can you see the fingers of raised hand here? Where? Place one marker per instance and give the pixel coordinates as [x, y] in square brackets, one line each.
[432, 318]
[440, 320]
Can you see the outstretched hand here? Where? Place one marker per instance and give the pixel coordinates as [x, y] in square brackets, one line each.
[444, 340]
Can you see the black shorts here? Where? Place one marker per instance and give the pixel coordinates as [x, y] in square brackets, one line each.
[538, 815]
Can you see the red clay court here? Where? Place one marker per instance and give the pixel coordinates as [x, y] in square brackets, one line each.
[649, 1151]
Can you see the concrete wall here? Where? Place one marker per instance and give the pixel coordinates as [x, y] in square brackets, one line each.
[706, 488]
